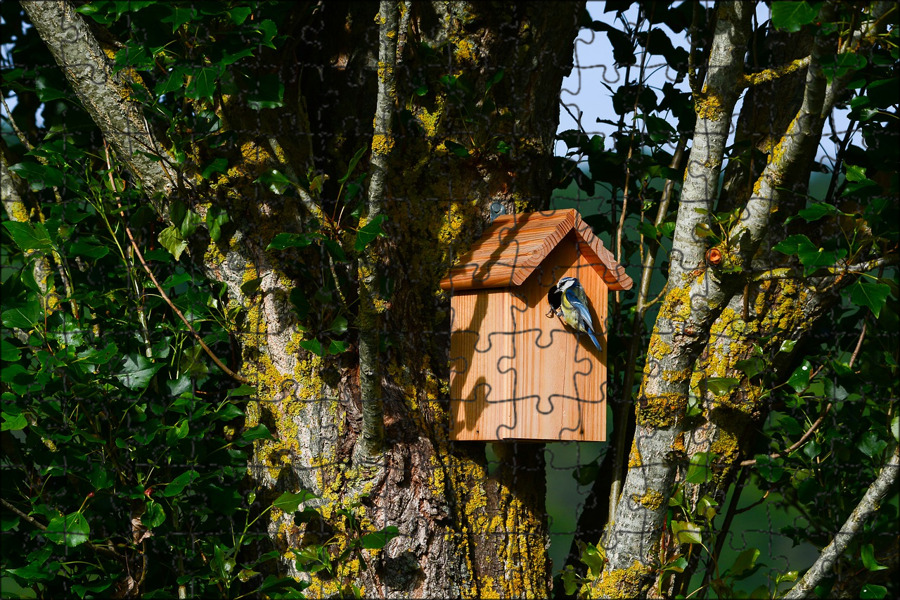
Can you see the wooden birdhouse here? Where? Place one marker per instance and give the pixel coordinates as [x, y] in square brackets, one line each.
[517, 371]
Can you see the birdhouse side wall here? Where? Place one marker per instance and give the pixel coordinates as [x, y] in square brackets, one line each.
[517, 373]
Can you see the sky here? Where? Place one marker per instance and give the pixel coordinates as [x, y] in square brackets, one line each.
[583, 92]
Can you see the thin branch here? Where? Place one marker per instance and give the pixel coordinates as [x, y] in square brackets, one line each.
[181, 316]
[865, 509]
[19, 133]
[162, 292]
[818, 422]
[34, 522]
[622, 410]
[797, 272]
[372, 434]
[101, 92]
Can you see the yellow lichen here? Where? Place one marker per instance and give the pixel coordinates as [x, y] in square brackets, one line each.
[650, 499]
[382, 144]
[661, 410]
[709, 106]
[620, 583]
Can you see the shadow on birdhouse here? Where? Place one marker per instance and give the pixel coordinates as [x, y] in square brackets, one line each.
[517, 371]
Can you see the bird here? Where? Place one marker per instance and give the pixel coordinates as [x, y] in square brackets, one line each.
[568, 300]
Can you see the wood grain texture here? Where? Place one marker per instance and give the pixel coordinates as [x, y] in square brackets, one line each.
[515, 245]
[518, 374]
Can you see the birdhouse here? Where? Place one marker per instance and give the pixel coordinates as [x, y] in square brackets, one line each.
[517, 371]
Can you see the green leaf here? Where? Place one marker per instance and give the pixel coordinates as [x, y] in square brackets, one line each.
[39, 176]
[292, 240]
[177, 485]
[71, 529]
[239, 14]
[154, 515]
[228, 412]
[268, 29]
[817, 211]
[751, 366]
[290, 502]
[854, 173]
[249, 287]
[771, 469]
[173, 82]
[795, 244]
[570, 580]
[700, 468]
[8, 352]
[787, 346]
[721, 386]
[241, 390]
[28, 237]
[13, 420]
[181, 14]
[456, 148]
[819, 257]
[136, 371]
[334, 249]
[24, 317]
[259, 432]
[895, 428]
[202, 85]
[789, 576]
[314, 346]
[189, 224]
[379, 539]
[676, 566]
[687, 533]
[171, 240]
[792, 16]
[593, 557]
[278, 181]
[745, 561]
[88, 246]
[352, 165]
[867, 554]
[268, 92]
[870, 295]
[337, 346]
[799, 379]
[870, 591]
[369, 232]
[871, 445]
[842, 64]
[219, 165]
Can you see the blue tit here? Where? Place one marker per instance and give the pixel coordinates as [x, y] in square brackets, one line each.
[568, 300]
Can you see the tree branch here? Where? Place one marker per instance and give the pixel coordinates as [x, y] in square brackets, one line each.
[836, 270]
[105, 94]
[865, 509]
[372, 435]
[677, 337]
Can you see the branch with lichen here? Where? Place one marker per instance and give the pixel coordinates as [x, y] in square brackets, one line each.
[677, 338]
[766, 75]
[866, 508]
[100, 90]
[372, 434]
[835, 270]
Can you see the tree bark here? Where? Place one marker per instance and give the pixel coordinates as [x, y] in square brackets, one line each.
[463, 532]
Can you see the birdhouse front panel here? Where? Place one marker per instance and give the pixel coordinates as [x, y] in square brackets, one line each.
[519, 373]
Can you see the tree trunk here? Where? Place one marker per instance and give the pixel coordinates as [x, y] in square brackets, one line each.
[475, 113]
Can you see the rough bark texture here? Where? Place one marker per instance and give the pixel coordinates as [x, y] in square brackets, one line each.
[463, 532]
[716, 313]
[105, 94]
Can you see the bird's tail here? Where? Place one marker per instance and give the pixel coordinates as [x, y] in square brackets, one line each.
[594, 339]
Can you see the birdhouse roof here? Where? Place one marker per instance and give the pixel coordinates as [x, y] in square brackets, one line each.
[515, 245]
